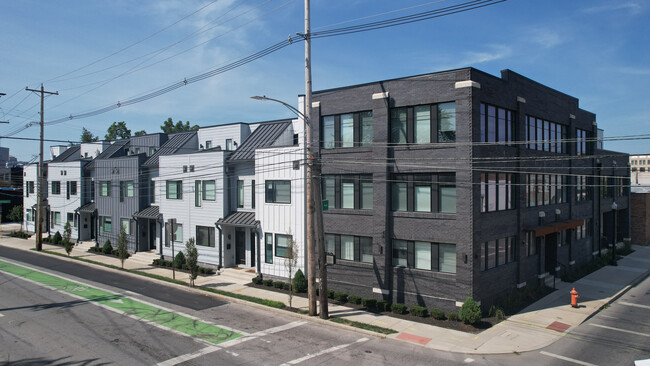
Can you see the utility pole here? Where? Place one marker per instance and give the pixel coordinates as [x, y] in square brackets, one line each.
[39, 207]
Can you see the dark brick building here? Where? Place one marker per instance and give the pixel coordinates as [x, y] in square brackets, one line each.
[459, 183]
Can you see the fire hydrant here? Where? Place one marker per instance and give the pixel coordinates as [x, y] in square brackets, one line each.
[574, 298]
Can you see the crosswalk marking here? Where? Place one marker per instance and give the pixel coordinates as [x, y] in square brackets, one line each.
[332, 349]
[564, 358]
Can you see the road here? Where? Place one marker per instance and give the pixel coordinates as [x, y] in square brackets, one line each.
[52, 312]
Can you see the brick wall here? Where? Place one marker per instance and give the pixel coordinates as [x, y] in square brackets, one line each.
[640, 203]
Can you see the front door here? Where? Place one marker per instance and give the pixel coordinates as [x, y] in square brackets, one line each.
[550, 252]
[152, 234]
[240, 247]
[252, 250]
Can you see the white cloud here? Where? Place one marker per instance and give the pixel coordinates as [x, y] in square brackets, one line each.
[634, 7]
[496, 52]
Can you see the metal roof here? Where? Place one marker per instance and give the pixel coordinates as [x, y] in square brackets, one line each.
[110, 151]
[239, 218]
[89, 207]
[151, 212]
[264, 136]
[175, 143]
[71, 154]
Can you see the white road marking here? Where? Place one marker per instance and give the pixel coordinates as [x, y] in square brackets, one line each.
[332, 349]
[469, 360]
[189, 356]
[620, 330]
[635, 305]
[1, 315]
[567, 359]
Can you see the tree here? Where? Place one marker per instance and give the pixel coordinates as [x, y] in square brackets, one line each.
[122, 246]
[140, 133]
[117, 130]
[16, 214]
[87, 136]
[67, 233]
[192, 260]
[290, 263]
[169, 127]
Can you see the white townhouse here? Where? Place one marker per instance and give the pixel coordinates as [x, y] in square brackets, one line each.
[30, 197]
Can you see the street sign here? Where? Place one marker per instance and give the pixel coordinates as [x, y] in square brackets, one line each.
[326, 205]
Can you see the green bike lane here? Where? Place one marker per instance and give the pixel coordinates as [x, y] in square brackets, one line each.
[130, 307]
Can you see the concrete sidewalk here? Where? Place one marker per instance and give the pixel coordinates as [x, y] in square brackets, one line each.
[535, 327]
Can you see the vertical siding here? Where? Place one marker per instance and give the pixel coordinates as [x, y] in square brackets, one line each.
[238, 132]
[64, 173]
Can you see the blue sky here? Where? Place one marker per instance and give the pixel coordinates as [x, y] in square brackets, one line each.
[595, 50]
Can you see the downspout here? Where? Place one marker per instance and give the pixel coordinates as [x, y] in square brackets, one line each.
[220, 245]
[258, 265]
[161, 222]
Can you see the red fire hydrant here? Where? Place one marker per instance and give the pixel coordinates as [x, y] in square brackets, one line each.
[574, 298]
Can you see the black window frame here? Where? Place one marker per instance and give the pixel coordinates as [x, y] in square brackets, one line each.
[179, 189]
[270, 191]
[336, 202]
[357, 130]
[268, 248]
[56, 187]
[211, 243]
[435, 134]
[436, 180]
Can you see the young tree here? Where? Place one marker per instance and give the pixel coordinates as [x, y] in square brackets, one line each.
[122, 246]
[117, 130]
[87, 136]
[67, 233]
[290, 263]
[169, 127]
[16, 214]
[192, 260]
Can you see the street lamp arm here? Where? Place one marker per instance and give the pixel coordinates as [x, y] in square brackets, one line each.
[289, 106]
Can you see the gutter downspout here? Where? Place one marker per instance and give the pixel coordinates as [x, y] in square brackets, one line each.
[161, 222]
[220, 245]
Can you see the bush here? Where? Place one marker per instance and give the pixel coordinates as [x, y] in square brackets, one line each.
[383, 305]
[452, 316]
[499, 314]
[19, 234]
[470, 312]
[369, 303]
[179, 260]
[330, 294]
[209, 271]
[257, 280]
[278, 284]
[107, 248]
[420, 311]
[268, 283]
[438, 314]
[398, 308]
[286, 286]
[354, 299]
[341, 297]
[57, 238]
[68, 245]
[299, 282]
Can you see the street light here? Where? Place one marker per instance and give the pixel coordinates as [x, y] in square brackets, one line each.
[613, 262]
[289, 106]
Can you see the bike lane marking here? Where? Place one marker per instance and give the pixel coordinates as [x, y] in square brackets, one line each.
[162, 318]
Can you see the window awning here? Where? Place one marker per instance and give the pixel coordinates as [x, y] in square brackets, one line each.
[151, 212]
[239, 218]
[554, 227]
[89, 207]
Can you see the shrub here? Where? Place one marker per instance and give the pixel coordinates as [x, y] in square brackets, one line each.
[107, 248]
[209, 271]
[420, 311]
[398, 308]
[354, 299]
[341, 296]
[268, 283]
[57, 238]
[299, 282]
[470, 312]
[179, 260]
[286, 286]
[278, 284]
[369, 303]
[383, 305]
[68, 245]
[19, 234]
[452, 316]
[330, 294]
[438, 314]
[499, 314]
[257, 280]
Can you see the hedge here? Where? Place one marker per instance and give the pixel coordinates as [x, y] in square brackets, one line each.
[354, 299]
[398, 308]
[420, 311]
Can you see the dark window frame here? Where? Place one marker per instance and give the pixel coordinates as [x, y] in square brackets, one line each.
[435, 133]
[179, 189]
[357, 130]
[270, 188]
[434, 180]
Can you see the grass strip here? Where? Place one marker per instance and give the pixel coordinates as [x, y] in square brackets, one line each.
[370, 327]
[257, 300]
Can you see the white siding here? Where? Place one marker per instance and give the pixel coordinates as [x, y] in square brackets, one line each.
[30, 199]
[92, 149]
[238, 132]
[64, 173]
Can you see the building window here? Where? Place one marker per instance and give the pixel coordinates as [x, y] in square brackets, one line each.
[105, 188]
[496, 125]
[73, 188]
[126, 189]
[152, 191]
[174, 189]
[205, 236]
[422, 255]
[253, 194]
[209, 190]
[30, 186]
[208, 144]
[424, 193]
[423, 124]
[126, 225]
[268, 248]
[347, 130]
[28, 215]
[56, 187]
[581, 142]
[278, 191]
[105, 225]
[365, 188]
[347, 247]
[365, 250]
[545, 135]
[330, 244]
[348, 191]
[70, 218]
[228, 144]
[282, 244]
[56, 218]
[178, 233]
[498, 252]
[197, 193]
[400, 252]
[497, 192]
[438, 257]
[545, 189]
[240, 193]
[582, 192]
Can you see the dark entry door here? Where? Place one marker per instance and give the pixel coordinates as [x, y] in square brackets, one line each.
[550, 252]
[152, 234]
[240, 247]
[252, 250]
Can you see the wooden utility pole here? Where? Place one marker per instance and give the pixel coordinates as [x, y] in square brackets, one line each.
[39, 203]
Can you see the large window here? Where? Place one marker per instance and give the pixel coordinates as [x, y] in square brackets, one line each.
[105, 188]
[424, 192]
[105, 225]
[174, 190]
[240, 193]
[56, 218]
[268, 248]
[282, 243]
[423, 124]
[545, 189]
[438, 257]
[72, 188]
[497, 252]
[198, 193]
[209, 190]
[30, 186]
[349, 247]
[178, 233]
[497, 192]
[581, 142]
[126, 224]
[205, 236]
[582, 188]
[56, 187]
[545, 135]
[278, 191]
[347, 130]
[348, 191]
[496, 125]
[126, 189]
